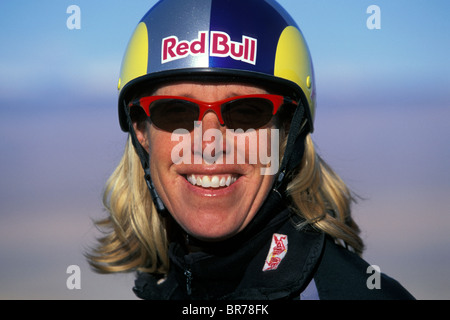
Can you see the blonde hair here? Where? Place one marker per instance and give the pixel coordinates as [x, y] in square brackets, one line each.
[135, 235]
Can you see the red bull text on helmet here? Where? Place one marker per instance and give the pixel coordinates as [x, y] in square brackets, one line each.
[220, 46]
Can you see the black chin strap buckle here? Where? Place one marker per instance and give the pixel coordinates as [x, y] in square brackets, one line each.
[159, 205]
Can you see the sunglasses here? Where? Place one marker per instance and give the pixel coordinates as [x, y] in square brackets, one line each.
[240, 112]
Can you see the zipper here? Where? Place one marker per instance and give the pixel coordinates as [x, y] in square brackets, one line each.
[188, 274]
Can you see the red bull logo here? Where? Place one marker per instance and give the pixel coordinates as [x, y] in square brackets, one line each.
[277, 252]
[215, 43]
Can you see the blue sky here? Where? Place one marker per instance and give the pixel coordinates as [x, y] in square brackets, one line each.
[411, 46]
[382, 123]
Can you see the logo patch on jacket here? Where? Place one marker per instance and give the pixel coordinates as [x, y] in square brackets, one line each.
[277, 251]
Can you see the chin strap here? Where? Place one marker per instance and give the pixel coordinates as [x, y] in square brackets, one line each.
[295, 149]
[145, 161]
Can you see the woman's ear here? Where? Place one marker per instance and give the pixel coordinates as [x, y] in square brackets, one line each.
[141, 130]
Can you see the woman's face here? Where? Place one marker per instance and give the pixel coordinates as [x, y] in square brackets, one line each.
[205, 212]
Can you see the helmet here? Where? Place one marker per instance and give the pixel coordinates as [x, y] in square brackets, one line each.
[252, 41]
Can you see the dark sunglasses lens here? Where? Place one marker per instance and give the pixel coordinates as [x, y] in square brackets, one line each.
[247, 113]
[172, 114]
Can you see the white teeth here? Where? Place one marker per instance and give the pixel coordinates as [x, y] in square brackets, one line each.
[206, 182]
[215, 183]
[211, 181]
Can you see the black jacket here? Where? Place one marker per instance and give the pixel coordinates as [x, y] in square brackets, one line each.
[314, 267]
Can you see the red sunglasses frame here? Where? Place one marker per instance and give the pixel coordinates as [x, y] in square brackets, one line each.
[277, 102]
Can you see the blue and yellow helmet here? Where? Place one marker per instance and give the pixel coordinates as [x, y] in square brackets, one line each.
[254, 41]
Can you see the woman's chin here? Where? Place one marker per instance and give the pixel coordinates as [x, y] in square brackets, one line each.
[212, 227]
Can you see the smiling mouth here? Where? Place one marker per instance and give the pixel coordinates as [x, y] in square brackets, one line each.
[212, 181]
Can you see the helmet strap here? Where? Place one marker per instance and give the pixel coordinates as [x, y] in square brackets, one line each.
[145, 161]
[295, 149]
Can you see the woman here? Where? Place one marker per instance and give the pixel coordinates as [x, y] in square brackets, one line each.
[220, 193]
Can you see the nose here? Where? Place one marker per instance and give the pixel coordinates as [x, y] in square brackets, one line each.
[213, 138]
[211, 120]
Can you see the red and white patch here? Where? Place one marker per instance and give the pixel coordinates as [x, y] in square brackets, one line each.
[278, 250]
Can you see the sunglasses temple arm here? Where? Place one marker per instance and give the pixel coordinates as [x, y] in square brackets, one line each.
[144, 158]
